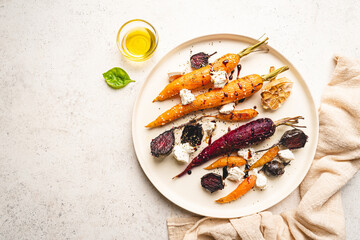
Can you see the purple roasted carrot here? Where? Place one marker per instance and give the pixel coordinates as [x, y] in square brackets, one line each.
[248, 134]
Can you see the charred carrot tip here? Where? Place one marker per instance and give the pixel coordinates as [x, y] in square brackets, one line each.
[243, 188]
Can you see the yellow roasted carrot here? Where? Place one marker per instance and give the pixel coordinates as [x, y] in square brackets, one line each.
[247, 184]
[202, 77]
[267, 157]
[238, 115]
[231, 161]
[235, 90]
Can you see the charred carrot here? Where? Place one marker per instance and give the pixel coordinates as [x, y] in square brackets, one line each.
[231, 161]
[267, 157]
[248, 134]
[235, 90]
[201, 76]
[247, 184]
[238, 115]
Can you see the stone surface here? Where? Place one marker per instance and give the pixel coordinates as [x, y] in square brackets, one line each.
[67, 165]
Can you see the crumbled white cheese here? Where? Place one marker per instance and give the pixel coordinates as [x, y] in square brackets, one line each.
[227, 108]
[181, 152]
[186, 97]
[286, 155]
[247, 154]
[209, 127]
[219, 78]
[261, 181]
[235, 174]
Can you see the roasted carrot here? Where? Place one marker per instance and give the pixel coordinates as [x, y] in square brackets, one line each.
[231, 161]
[247, 184]
[233, 91]
[267, 157]
[238, 115]
[201, 76]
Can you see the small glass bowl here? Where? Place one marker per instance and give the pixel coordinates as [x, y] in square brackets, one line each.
[123, 34]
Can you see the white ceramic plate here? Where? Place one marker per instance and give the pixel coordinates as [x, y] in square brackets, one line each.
[186, 191]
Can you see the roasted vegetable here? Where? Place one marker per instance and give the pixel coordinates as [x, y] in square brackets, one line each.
[238, 115]
[225, 172]
[267, 157]
[247, 184]
[251, 133]
[193, 134]
[231, 161]
[212, 182]
[275, 93]
[163, 144]
[174, 75]
[200, 60]
[293, 139]
[201, 77]
[233, 91]
[274, 168]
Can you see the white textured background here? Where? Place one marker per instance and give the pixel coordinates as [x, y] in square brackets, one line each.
[67, 165]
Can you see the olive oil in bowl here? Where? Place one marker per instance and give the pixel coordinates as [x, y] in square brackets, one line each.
[137, 40]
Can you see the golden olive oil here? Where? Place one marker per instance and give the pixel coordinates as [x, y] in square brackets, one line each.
[139, 43]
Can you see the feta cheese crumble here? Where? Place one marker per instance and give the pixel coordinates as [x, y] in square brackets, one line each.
[181, 152]
[247, 154]
[235, 174]
[227, 108]
[209, 127]
[219, 78]
[286, 155]
[186, 97]
[261, 181]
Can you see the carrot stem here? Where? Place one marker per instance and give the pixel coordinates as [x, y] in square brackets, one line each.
[274, 73]
[288, 121]
[249, 49]
[212, 54]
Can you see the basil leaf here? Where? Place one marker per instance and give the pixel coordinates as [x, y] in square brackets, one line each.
[117, 78]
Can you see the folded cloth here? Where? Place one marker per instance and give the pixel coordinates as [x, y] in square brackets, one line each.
[319, 214]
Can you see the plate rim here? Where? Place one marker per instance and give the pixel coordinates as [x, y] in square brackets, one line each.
[170, 196]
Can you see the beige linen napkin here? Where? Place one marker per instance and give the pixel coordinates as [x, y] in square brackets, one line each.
[319, 214]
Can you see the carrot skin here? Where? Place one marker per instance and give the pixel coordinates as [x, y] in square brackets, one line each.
[231, 161]
[233, 91]
[199, 77]
[251, 133]
[238, 115]
[267, 157]
[245, 186]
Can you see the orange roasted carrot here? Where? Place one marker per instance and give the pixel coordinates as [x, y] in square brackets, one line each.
[202, 77]
[267, 157]
[233, 91]
[243, 188]
[238, 115]
[231, 161]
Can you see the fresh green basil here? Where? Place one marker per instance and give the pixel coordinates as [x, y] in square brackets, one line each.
[117, 78]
